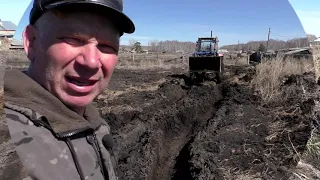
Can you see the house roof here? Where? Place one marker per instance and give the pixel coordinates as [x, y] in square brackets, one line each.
[16, 42]
[6, 34]
[7, 25]
[318, 39]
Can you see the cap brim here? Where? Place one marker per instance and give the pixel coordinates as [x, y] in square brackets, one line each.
[122, 21]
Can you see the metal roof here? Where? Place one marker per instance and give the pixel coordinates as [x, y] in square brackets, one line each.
[318, 39]
[16, 42]
[6, 33]
[7, 25]
[297, 51]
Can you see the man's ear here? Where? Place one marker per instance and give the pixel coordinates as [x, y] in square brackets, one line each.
[29, 36]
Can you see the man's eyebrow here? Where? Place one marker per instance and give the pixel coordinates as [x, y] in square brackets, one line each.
[80, 35]
[86, 37]
[110, 43]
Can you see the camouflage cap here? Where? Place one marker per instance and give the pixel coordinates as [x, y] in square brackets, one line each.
[112, 8]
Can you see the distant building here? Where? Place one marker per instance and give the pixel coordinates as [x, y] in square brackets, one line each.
[7, 29]
[16, 44]
[315, 42]
[223, 51]
[270, 51]
[145, 51]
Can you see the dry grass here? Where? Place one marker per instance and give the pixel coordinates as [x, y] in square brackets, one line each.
[18, 59]
[4, 45]
[1, 102]
[236, 61]
[313, 145]
[152, 61]
[14, 58]
[315, 49]
[14, 55]
[153, 64]
[270, 74]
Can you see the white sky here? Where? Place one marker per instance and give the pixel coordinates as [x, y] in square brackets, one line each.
[12, 10]
[308, 12]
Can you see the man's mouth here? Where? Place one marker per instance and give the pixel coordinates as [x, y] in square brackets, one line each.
[80, 81]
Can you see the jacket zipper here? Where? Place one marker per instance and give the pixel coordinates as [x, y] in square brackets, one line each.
[67, 137]
[94, 143]
[92, 139]
[73, 133]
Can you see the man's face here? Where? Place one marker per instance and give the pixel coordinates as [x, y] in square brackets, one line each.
[72, 57]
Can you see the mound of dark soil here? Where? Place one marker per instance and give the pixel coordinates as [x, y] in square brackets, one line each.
[207, 132]
[149, 140]
[245, 141]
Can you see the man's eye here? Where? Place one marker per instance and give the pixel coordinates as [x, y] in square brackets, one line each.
[106, 47]
[72, 41]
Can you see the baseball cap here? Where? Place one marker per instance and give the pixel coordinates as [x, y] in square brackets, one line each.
[113, 8]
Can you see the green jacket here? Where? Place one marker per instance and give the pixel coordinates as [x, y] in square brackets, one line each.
[51, 141]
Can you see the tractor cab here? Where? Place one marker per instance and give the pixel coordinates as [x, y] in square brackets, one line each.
[206, 63]
[206, 46]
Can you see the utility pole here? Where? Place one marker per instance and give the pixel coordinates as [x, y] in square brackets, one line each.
[268, 40]
[211, 42]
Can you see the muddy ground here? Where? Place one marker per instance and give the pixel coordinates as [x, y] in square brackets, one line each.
[165, 129]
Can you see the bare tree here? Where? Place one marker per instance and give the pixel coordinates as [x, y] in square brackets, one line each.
[153, 45]
[273, 44]
[132, 42]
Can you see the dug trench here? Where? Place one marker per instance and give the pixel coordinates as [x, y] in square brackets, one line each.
[166, 130]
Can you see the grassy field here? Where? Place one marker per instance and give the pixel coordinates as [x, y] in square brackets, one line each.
[17, 59]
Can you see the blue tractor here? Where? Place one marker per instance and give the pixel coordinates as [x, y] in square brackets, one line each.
[206, 63]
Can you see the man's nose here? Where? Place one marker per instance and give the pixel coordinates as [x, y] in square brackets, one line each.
[91, 57]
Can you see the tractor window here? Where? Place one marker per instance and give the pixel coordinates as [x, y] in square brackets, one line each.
[205, 45]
